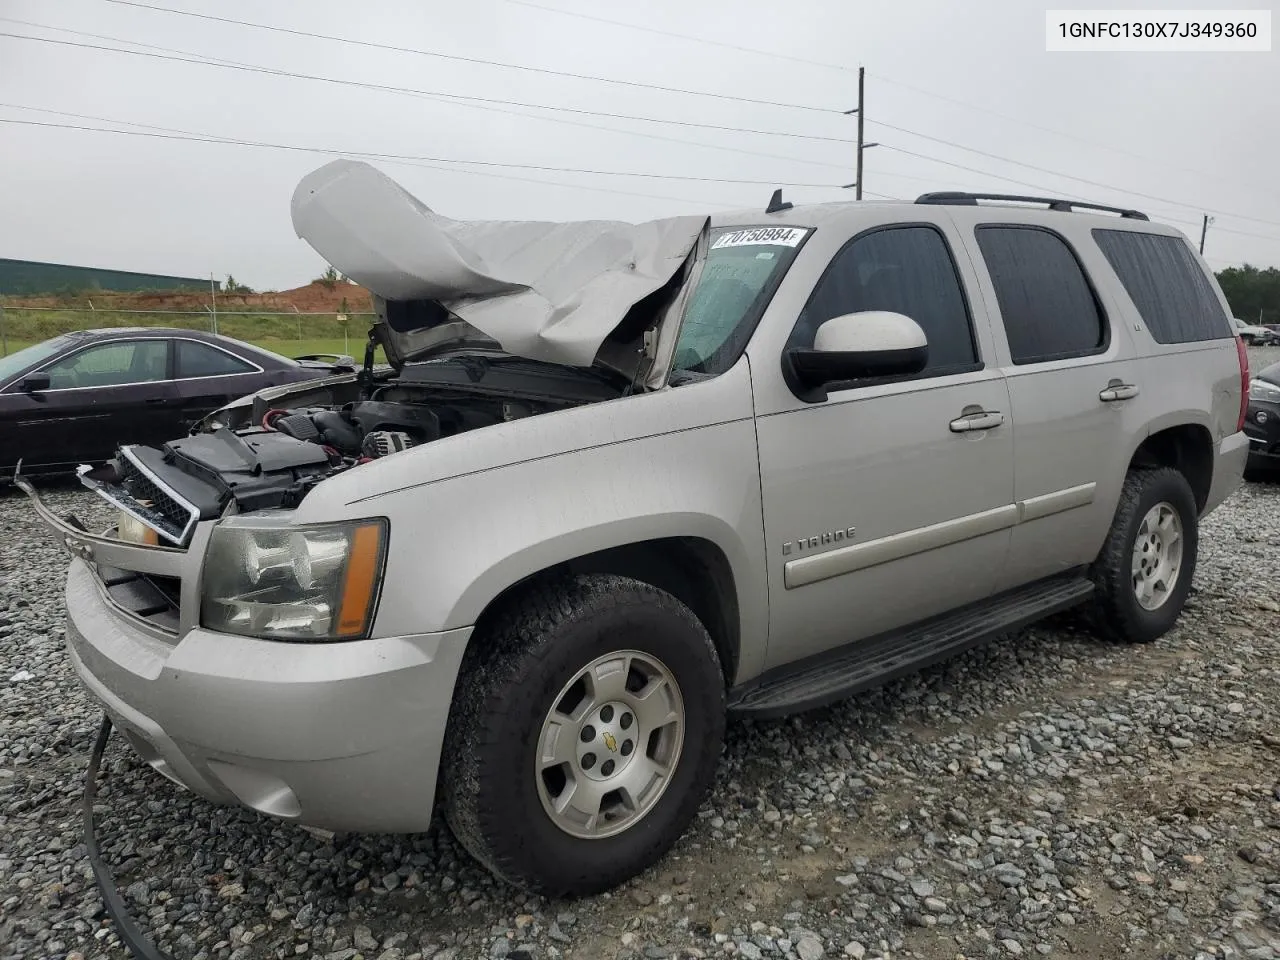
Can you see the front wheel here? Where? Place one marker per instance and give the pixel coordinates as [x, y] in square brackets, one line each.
[584, 734]
[1143, 573]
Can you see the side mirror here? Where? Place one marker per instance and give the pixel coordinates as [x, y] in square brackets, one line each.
[34, 382]
[874, 343]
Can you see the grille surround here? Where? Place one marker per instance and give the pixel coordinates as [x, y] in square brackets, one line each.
[164, 511]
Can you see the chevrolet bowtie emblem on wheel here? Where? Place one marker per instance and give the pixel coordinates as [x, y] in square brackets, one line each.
[611, 742]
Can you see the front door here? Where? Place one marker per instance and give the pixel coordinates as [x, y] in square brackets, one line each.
[99, 397]
[890, 501]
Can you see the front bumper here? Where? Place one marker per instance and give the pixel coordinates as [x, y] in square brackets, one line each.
[345, 736]
[1262, 424]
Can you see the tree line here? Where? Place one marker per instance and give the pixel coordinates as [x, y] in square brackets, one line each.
[1254, 295]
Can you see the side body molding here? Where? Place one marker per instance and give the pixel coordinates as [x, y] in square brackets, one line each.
[860, 556]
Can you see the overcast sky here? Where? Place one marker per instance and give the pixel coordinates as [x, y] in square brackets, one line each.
[1195, 130]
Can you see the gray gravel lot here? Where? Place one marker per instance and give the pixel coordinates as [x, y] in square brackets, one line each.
[1045, 795]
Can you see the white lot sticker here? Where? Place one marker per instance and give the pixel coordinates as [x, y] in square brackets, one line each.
[774, 236]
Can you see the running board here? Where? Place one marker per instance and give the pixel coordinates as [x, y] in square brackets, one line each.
[818, 681]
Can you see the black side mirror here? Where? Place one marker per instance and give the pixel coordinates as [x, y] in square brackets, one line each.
[34, 382]
[855, 346]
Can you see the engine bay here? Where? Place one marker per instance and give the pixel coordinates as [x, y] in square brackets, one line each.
[265, 455]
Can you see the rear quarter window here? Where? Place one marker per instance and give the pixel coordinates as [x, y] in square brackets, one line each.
[1166, 284]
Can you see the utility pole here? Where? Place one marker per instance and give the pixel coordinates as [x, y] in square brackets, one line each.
[857, 194]
[213, 292]
[1204, 228]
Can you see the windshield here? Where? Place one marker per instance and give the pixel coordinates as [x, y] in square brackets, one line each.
[742, 269]
[15, 363]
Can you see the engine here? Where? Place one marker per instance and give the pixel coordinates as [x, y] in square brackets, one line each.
[370, 429]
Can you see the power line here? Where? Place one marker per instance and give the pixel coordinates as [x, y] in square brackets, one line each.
[1037, 126]
[429, 166]
[206, 138]
[476, 60]
[681, 36]
[454, 99]
[1069, 176]
[847, 69]
[442, 94]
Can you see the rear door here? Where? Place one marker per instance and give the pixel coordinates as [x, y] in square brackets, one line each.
[208, 377]
[1073, 382]
[100, 396]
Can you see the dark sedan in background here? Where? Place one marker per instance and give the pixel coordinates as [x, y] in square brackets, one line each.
[74, 398]
[1262, 422]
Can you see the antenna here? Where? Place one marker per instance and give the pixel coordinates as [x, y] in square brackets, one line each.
[776, 203]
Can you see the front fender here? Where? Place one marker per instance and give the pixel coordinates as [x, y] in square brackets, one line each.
[457, 544]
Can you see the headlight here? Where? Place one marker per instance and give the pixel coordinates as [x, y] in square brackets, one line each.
[1262, 390]
[284, 582]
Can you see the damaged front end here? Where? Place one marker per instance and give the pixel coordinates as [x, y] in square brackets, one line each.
[270, 450]
[481, 323]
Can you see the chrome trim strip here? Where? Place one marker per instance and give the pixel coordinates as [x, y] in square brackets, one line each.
[137, 558]
[193, 514]
[139, 383]
[1059, 501]
[823, 566]
[833, 563]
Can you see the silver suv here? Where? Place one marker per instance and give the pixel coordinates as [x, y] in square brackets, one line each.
[618, 482]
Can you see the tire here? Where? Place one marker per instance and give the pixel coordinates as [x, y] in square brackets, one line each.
[497, 800]
[1118, 611]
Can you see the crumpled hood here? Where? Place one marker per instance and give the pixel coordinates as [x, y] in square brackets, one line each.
[546, 291]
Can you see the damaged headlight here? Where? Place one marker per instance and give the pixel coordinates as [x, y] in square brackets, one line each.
[293, 583]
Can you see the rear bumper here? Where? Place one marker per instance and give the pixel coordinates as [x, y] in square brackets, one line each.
[1228, 469]
[345, 736]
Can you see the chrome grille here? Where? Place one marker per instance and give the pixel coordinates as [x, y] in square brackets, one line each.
[143, 496]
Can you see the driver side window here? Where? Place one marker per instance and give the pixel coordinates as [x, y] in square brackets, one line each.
[907, 270]
[112, 364]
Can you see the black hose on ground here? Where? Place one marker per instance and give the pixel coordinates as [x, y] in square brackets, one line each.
[134, 939]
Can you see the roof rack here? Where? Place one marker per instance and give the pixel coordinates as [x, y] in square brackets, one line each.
[955, 197]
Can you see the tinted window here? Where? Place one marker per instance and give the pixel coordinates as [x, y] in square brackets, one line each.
[1047, 305]
[112, 364]
[907, 270]
[1166, 284]
[201, 360]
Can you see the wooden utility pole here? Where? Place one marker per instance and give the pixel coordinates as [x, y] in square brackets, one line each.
[857, 195]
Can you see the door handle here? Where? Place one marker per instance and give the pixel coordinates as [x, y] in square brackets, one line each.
[1118, 391]
[157, 400]
[983, 420]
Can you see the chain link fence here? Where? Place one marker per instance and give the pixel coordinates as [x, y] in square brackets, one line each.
[290, 332]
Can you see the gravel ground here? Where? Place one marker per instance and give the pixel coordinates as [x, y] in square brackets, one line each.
[1047, 794]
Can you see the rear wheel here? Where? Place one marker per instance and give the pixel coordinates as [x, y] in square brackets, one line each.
[1144, 571]
[584, 734]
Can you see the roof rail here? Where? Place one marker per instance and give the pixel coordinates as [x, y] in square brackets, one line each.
[955, 197]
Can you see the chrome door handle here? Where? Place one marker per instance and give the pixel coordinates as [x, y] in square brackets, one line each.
[986, 420]
[1118, 391]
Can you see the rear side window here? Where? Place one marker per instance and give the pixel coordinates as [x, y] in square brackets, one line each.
[1049, 310]
[201, 360]
[906, 270]
[1166, 284]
